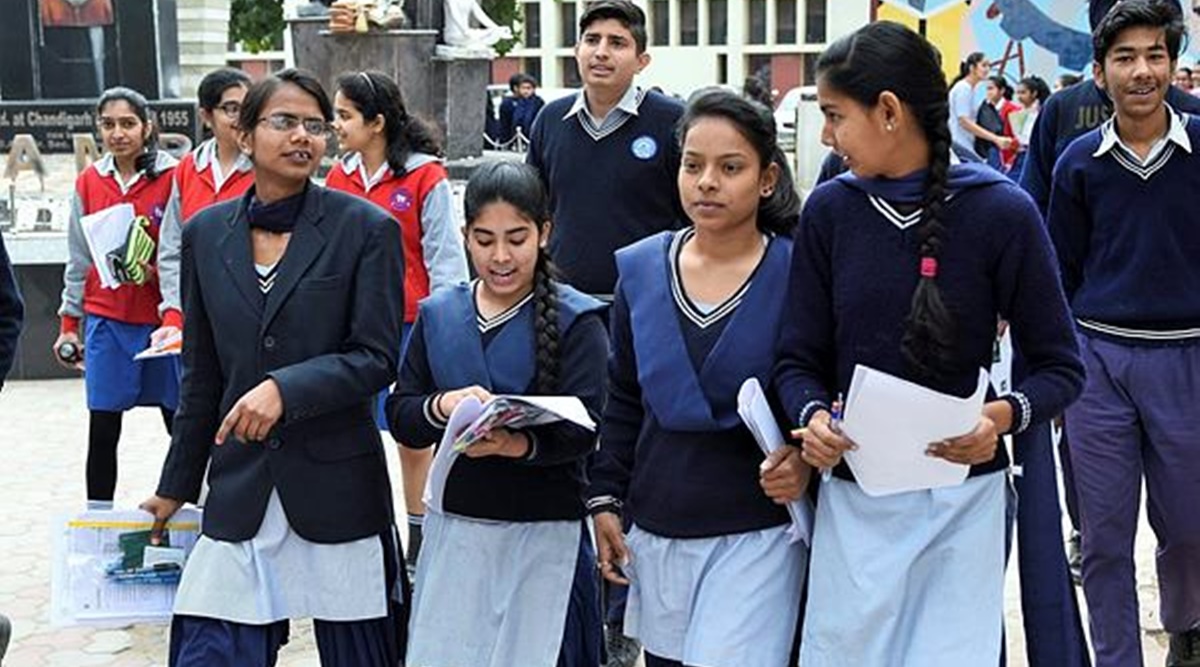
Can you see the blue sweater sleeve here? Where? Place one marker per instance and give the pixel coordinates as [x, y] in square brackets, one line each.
[805, 369]
[1029, 296]
[1067, 218]
[612, 467]
[408, 415]
[1040, 157]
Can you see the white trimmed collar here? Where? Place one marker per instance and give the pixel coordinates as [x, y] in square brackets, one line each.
[628, 103]
[1176, 134]
[107, 166]
[206, 153]
[352, 163]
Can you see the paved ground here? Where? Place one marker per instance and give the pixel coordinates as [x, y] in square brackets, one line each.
[43, 427]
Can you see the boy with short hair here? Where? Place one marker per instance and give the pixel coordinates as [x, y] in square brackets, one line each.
[1128, 242]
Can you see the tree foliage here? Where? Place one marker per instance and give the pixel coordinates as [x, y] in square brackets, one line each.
[508, 13]
[257, 24]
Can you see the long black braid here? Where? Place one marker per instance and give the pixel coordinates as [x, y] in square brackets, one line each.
[545, 324]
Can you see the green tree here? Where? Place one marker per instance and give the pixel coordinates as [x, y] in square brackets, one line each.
[505, 12]
[257, 24]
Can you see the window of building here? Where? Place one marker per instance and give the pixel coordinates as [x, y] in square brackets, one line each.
[785, 21]
[815, 16]
[570, 32]
[757, 22]
[533, 25]
[689, 22]
[718, 22]
[722, 68]
[660, 22]
[533, 67]
[570, 73]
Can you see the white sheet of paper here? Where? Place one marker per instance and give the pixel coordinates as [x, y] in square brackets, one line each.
[467, 411]
[893, 421]
[570, 408]
[172, 346]
[105, 231]
[756, 414]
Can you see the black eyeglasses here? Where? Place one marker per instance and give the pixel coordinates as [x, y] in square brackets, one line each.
[231, 109]
[286, 122]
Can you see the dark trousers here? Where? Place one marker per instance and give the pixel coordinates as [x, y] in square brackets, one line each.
[375, 642]
[1138, 418]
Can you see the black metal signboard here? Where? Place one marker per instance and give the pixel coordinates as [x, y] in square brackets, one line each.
[52, 122]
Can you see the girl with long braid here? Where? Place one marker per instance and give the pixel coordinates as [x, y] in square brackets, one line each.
[904, 265]
[507, 574]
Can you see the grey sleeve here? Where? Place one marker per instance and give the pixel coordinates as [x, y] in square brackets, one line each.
[79, 261]
[441, 243]
[170, 235]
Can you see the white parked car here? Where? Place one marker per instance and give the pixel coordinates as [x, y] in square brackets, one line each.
[786, 112]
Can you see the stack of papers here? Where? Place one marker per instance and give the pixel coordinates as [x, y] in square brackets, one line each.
[170, 346]
[893, 421]
[105, 573]
[523, 412]
[756, 414]
[107, 231]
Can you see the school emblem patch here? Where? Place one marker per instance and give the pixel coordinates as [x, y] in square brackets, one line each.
[401, 200]
[644, 147]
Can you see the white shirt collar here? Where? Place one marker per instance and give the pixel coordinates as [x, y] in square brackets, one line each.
[107, 166]
[1176, 134]
[205, 157]
[353, 163]
[629, 104]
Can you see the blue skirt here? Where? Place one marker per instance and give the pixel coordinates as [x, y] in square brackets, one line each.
[114, 381]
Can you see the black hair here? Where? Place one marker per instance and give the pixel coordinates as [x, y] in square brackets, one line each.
[888, 57]
[1184, 68]
[779, 212]
[215, 83]
[965, 67]
[1002, 85]
[262, 92]
[518, 184]
[1097, 10]
[1037, 85]
[147, 162]
[628, 14]
[754, 89]
[1164, 14]
[376, 94]
[1068, 80]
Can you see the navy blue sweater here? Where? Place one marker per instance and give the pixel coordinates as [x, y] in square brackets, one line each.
[1129, 246]
[12, 312]
[1066, 116]
[852, 279]
[545, 487]
[609, 193]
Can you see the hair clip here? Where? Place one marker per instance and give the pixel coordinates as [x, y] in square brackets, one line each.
[929, 267]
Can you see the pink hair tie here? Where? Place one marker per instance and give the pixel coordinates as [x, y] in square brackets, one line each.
[928, 267]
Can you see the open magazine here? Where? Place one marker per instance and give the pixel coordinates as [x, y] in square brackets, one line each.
[517, 412]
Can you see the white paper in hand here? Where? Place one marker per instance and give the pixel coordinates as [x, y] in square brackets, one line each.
[106, 231]
[756, 414]
[464, 413]
[893, 421]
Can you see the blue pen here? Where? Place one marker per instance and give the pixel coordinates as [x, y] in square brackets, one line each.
[835, 424]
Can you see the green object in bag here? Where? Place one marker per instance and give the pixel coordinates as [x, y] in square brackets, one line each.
[129, 262]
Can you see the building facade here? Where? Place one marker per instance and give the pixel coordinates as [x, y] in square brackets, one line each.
[694, 43]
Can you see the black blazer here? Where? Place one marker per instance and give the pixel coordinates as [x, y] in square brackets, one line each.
[328, 333]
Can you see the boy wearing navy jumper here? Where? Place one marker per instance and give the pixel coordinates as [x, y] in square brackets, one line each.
[608, 155]
[1127, 242]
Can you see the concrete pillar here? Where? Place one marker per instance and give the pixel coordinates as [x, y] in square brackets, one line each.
[203, 40]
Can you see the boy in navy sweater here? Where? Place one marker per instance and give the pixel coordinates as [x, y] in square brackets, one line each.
[608, 155]
[1128, 238]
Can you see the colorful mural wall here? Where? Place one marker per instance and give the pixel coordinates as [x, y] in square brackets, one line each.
[1043, 37]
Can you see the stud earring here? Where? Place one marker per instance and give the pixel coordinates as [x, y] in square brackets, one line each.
[890, 127]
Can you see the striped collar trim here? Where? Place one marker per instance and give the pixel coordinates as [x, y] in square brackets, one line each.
[1160, 152]
[498, 320]
[698, 317]
[901, 220]
[619, 115]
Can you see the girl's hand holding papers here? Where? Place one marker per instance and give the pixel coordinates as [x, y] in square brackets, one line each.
[500, 442]
[978, 446]
[823, 446]
[447, 401]
[784, 476]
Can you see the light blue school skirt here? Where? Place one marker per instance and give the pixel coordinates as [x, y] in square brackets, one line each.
[728, 601]
[914, 579]
[492, 593]
[113, 380]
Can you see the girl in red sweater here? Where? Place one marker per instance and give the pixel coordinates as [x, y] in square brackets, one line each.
[117, 321]
[393, 159]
